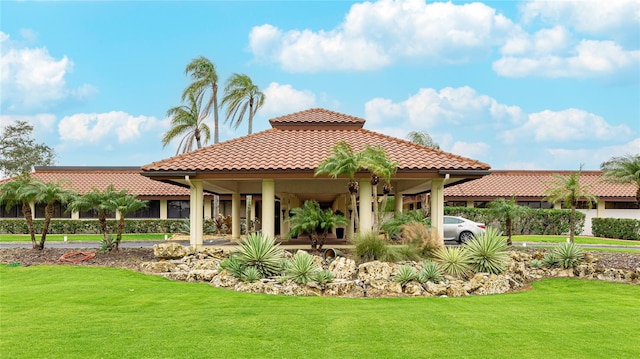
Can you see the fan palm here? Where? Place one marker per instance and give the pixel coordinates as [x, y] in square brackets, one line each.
[422, 138]
[624, 169]
[205, 78]
[187, 121]
[242, 96]
[509, 211]
[49, 194]
[21, 191]
[568, 190]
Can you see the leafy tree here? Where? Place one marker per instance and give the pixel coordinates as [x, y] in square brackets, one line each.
[242, 96]
[49, 194]
[20, 191]
[623, 169]
[376, 160]
[205, 79]
[569, 191]
[187, 121]
[507, 211]
[343, 162]
[313, 220]
[19, 152]
[124, 204]
[422, 138]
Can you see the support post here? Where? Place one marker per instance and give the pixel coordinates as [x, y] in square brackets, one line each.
[268, 207]
[236, 204]
[196, 214]
[365, 210]
[437, 206]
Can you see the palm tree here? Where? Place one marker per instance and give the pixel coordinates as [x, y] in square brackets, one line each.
[204, 76]
[21, 191]
[241, 96]
[343, 162]
[49, 194]
[187, 121]
[314, 221]
[509, 211]
[569, 191]
[422, 138]
[376, 160]
[101, 201]
[124, 204]
[624, 169]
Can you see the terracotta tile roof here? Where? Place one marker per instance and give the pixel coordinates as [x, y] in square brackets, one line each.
[84, 179]
[316, 117]
[303, 148]
[532, 184]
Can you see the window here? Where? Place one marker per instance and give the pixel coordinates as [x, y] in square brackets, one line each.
[93, 213]
[451, 220]
[535, 204]
[621, 205]
[12, 212]
[178, 209]
[152, 210]
[58, 210]
[456, 204]
[480, 204]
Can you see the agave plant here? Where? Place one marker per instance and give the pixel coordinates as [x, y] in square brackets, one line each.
[568, 255]
[301, 268]
[233, 265]
[262, 253]
[323, 277]
[251, 274]
[549, 260]
[430, 272]
[535, 264]
[488, 252]
[453, 260]
[405, 274]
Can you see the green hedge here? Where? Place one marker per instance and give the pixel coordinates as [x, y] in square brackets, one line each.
[91, 226]
[537, 222]
[621, 228]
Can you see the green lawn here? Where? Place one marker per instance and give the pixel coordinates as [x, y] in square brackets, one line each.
[90, 312]
[81, 237]
[577, 240]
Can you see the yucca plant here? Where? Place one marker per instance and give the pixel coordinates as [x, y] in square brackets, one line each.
[323, 277]
[405, 274]
[301, 268]
[535, 264]
[369, 246]
[261, 252]
[233, 265]
[568, 255]
[430, 272]
[488, 252]
[250, 275]
[453, 260]
[549, 260]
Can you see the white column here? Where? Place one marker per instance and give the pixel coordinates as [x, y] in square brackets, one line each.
[75, 215]
[398, 202]
[470, 204]
[163, 209]
[196, 213]
[236, 204]
[207, 208]
[364, 210]
[437, 206]
[600, 209]
[268, 207]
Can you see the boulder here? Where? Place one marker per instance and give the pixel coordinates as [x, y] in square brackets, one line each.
[414, 288]
[343, 288]
[224, 280]
[216, 253]
[207, 264]
[157, 267]
[201, 275]
[170, 250]
[375, 270]
[343, 268]
[456, 289]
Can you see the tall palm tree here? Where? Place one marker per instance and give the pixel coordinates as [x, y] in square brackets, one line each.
[187, 121]
[567, 190]
[509, 211]
[101, 201]
[124, 204]
[623, 169]
[422, 138]
[49, 194]
[344, 162]
[376, 161]
[205, 78]
[241, 97]
[20, 191]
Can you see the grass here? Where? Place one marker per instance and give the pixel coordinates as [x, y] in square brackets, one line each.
[577, 240]
[82, 237]
[91, 312]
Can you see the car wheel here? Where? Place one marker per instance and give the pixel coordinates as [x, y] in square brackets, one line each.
[465, 237]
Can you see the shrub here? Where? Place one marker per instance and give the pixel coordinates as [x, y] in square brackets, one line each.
[419, 236]
[323, 277]
[430, 272]
[568, 255]
[392, 227]
[261, 252]
[621, 228]
[369, 246]
[301, 268]
[405, 274]
[549, 260]
[488, 252]
[401, 253]
[453, 260]
[250, 275]
[535, 264]
[233, 265]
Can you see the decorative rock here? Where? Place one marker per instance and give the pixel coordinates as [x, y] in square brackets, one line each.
[200, 275]
[414, 288]
[343, 288]
[216, 253]
[343, 268]
[375, 271]
[206, 264]
[171, 250]
[456, 289]
[157, 267]
[495, 284]
[435, 289]
[383, 288]
[224, 280]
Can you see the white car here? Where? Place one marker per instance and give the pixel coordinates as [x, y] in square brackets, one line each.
[461, 229]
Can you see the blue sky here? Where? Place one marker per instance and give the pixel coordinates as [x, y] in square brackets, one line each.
[519, 85]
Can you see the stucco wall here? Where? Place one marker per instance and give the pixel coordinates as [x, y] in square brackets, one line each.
[608, 213]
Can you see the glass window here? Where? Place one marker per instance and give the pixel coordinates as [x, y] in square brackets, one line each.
[480, 204]
[178, 209]
[152, 210]
[451, 220]
[93, 213]
[456, 204]
[621, 205]
[12, 212]
[58, 210]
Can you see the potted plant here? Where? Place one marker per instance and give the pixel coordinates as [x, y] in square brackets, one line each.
[316, 222]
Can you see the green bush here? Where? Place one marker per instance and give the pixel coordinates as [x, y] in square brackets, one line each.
[549, 260]
[233, 265]
[453, 260]
[621, 228]
[568, 255]
[488, 252]
[430, 272]
[323, 277]
[405, 274]
[91, 226]
[301, 268]
[250, 275]
[370, 247]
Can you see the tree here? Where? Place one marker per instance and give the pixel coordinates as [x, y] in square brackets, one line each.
[187, 121]
[567, 190]
[205, 78]
[314, 221]
[124, 204]
[623, 169]
[20, 191]
[422, 138]
[241, 97]
[343, 162]
[100, 201]
[19, 152]
[376, 161]
[507, 211]
[49, 194]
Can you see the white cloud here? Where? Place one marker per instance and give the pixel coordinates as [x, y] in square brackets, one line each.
[374, 35]
[43, 122]
[33, 79]
[94, 127]
[285, 99]
[543, 42]
[567, 125]
[595, 155]
[470, 149]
